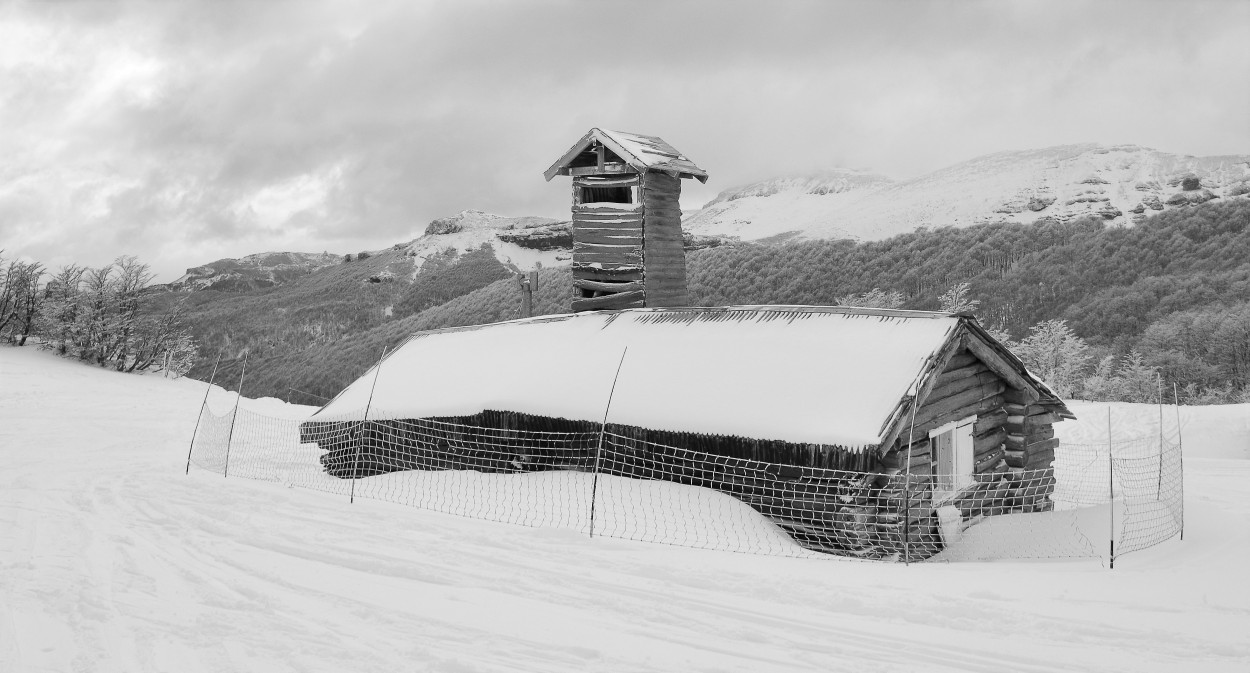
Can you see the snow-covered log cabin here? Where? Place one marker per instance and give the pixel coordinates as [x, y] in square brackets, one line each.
[859, 431]
[848, 427]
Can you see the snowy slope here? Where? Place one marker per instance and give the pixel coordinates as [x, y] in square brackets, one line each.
[1121, 183]
[112, 560]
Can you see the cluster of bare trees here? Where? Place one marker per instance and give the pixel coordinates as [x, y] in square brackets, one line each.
[103, 315]
[20, 297]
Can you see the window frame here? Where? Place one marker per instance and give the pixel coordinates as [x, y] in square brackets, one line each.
[954, 438]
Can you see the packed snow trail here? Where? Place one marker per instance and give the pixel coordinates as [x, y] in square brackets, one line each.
[112, 560]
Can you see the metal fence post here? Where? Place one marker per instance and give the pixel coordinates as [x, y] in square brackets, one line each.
[225, 470]
[201, 414]
[1180, 454]
[364, 424]
[603, 427]
[1111, 488]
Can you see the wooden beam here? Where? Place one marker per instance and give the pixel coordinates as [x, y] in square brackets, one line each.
[985, 379]
[611, 301]
[990, 422]
[965, 400]
[597, 236]
[960, 373]
[1000, 366]
[608, 169]
[617, 272]
[985, 405]
[630, 180]
[599, 286]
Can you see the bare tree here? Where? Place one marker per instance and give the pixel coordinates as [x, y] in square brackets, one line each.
[128, 285]
[57, 321]
[1056, 354]
[956, 300]
[875, 298]
[19, 299]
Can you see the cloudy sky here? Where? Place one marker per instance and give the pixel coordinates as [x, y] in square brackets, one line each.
[184, 132]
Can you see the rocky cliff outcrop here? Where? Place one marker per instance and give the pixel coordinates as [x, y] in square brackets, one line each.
[266, 269]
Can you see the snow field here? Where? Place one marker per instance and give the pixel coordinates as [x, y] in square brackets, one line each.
[112, 560]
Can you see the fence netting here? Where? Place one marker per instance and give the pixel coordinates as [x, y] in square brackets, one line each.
[613, 485]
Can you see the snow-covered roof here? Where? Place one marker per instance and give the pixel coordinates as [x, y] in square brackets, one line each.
[642, 153]
[824, 375]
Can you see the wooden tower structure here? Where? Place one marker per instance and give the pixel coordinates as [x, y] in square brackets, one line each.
[627, 239]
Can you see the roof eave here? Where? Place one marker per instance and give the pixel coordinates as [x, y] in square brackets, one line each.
[560, 167]
[995, 355]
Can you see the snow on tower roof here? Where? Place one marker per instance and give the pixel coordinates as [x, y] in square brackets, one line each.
[642, 153]
[822, 375]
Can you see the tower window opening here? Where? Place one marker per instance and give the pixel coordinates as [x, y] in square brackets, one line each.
[607, 195]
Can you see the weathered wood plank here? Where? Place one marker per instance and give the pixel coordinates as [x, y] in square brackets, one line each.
[951, 375]
[988, 442]
[596, 214]
[988, 462]
[986, 380]
[1000, 366]
[1044, 445]
[613, 238]
[612, 301]
[663, 252]
[960, 359]
[1039, 459]
[597, 229]
[1038, 433]
[990, 422]
[600, 286]
[608, 169]
[984, 405]
[611, 179]
[590, 252]
[619, 272]
[934, 408]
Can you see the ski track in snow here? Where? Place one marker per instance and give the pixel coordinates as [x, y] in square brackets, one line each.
[112, 560]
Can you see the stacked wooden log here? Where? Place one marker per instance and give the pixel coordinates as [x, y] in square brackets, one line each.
[607, 245]
[1030, 452]
[664, 256]
[1013, 447]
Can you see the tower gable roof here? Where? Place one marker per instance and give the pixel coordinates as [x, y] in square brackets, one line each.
[642, 153]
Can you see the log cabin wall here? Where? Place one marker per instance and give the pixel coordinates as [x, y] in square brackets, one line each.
[664, 258]
[607, 242]
[1013, 446]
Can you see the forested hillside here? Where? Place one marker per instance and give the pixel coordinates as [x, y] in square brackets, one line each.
[327, 307]
[1173, 292]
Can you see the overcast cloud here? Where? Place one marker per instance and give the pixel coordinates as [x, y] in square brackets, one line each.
[186, 132]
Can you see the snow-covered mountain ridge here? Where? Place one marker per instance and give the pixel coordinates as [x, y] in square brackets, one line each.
[1121, 183]
[518, 242]
[265, 269]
